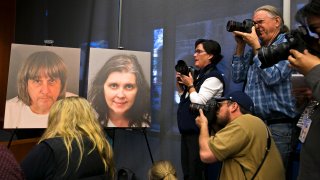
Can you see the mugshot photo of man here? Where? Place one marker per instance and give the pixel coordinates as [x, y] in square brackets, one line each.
[41, 80]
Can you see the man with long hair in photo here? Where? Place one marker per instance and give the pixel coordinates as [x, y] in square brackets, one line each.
[41, 81]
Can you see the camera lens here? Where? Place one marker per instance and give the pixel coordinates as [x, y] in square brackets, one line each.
[271, 55]
[238, 26]
[234, 26]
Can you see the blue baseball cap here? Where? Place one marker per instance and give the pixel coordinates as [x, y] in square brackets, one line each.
[239, 97]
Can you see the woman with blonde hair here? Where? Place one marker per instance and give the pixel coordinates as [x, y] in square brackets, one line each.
[72, 147]
[162, 170]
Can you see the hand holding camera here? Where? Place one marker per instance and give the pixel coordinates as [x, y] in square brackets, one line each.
[201, 120]
[244, 33]
[251, 39]
[304, 62]
[184, 73]
[298, 39]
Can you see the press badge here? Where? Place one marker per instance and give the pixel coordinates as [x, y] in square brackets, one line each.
[305, 129]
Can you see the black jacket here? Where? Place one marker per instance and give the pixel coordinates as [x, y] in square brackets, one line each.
[49, 159]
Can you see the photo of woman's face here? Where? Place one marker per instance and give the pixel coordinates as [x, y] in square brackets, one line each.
[120, 90]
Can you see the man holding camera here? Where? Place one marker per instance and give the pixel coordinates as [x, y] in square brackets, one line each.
[244, 145]
[309, 65]
[270, 88]
[206, 84]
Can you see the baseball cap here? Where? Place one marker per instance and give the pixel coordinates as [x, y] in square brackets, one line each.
[239, 97]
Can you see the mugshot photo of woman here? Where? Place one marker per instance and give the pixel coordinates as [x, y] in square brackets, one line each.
[120, 93]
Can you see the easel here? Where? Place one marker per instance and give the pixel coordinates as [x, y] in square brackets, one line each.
[142, 129]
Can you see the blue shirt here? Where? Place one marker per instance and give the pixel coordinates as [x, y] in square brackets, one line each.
[269, 88]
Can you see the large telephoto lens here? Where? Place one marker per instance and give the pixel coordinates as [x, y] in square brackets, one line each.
[234, 26]
[245, 26]
[271, 55]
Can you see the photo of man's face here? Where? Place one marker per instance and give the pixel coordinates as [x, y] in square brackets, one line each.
[43, 92]
[38, 77]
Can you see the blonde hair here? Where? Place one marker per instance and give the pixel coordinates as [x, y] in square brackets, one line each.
[162, 170]
[72, 119]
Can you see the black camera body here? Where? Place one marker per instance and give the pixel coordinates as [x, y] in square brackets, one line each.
[209, 109]
[245, 26]
[298, 39]
[183, 68]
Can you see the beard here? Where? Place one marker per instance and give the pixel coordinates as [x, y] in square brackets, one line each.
[223, 119]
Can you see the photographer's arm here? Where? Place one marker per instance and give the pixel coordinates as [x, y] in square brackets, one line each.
[241, 45]
[250, 38]
[309, 65]
[211, 87]
[240, 62]
[179, 84]
[188, 82]
[206, 155]
[303, 62]
[240, 66]
[313, 81]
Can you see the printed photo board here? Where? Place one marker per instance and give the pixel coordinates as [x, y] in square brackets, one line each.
[119, 87]
[39, 76]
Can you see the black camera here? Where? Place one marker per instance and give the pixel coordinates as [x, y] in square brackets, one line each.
[183, 68]
[298, 39]
[209, 109]
[245, 26]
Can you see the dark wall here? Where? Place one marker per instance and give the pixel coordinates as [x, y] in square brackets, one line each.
[69, 23]
[7, 19]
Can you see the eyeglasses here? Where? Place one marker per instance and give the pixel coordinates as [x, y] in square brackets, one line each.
[198, 51]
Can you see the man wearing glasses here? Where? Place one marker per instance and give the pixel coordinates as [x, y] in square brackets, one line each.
[206, 83]
[244, 144]
[270, 88]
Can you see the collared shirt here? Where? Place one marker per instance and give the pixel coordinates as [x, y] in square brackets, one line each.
[269, 88]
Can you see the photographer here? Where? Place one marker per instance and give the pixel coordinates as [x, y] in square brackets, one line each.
[269, 88]
[244, 145]
[309, 65]
[206, 83]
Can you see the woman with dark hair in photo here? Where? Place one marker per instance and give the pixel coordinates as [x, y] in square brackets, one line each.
[72, 147]
[120, 93]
